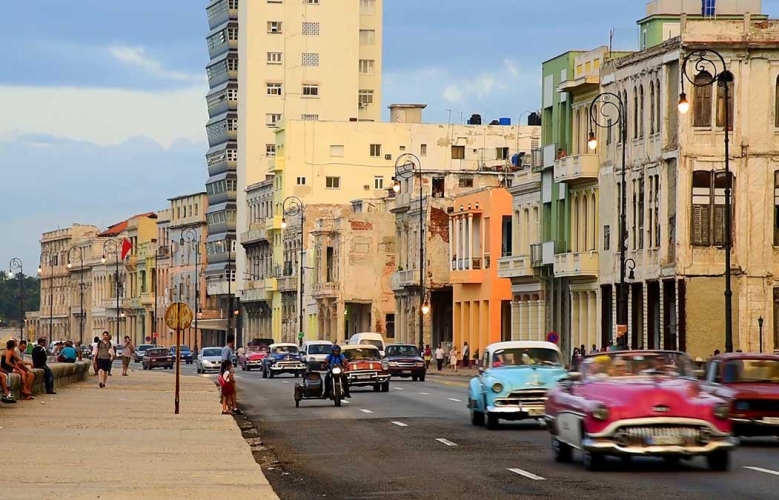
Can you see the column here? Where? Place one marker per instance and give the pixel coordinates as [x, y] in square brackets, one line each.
[460, 241]
[529, 314]
[451, 244]
[457, 320]
[661, 305]
[574, 224]
[574, 320]
[514, 320]
[521, 319]
[541, 318]
[592, 333]
[470, 241]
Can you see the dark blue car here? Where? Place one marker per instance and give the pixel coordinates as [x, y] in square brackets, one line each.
[282, 358]
[186, 353]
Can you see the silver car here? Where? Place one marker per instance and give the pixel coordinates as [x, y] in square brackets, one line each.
[209, 359]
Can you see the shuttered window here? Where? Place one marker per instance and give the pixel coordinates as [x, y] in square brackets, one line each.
[708, 208]
[702, 102]
[727, 76]
[776, 207]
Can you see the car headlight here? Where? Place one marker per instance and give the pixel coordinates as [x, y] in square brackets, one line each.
[336, 370]
[420, 363]
[721, 411]
[497, 387]
[384, 365]
[170, 358]
[742, 406]
[600, 413]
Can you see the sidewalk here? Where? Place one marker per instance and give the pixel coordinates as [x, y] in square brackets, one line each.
[447, 371]
[124, 442]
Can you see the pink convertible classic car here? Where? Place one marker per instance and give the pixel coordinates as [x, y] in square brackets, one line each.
[638, 403]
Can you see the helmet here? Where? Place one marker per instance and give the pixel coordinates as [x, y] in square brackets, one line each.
[336, 348]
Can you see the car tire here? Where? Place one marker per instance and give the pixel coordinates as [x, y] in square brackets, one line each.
[422, 377]
[197, 370]
[414, 378]
[493, 422]
[561, 451]
[593, 461]
[376, 388]
[719, 461]
[385, 386]
[248, 368]
[297, 374]
[477, 418]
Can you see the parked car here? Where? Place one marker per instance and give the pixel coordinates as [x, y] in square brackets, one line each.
[157, 357]
[366, 368]
[119, 350]
[513, 381]
[638, 403]
[140, 350]
[209, 360]
[186, 354]
[750, 385]
[282, 358]
[406, 361]
[314, 352]
[253, 358]
[368, 338]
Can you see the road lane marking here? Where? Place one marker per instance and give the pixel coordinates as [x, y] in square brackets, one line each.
[760, 469]
[445, 382]
[527, 474]
[445, 441]
[453, 399]
[400, 424]
[365, 411]
[285, 381]
[398, 388]
[425, 393]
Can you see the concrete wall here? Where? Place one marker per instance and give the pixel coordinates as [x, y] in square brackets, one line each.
[64, 374]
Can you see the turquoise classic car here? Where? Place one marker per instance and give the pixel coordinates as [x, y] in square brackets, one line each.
[513, 380]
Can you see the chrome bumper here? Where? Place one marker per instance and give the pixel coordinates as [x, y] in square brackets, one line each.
[528, 411]
[288, 368]
[379, 379]
[613, 448]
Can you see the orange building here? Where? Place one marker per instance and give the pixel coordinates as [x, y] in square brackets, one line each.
[480, 233]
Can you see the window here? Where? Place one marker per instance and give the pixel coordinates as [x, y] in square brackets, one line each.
[376, 150]
[365, 98]
[641, 111]
[651, 108]
[274, 58]
[196, 206]
[273, 88]
[366, 66]
[776, 208]
[333, 182]
[367, 7]
[301, 181]
[309, 118]
[609, 124]
[606, 237]
[721, 111]
[270, 150]
[272, 119]
[635, 113]
[310, 90]
[658, 115]
[274, 27]
[423, 150]
[709, 8]
[458, 152]
[656, 210]
[708, 208]
[501, 153]
[701, 104]
[337, 150]
[465, 182]
[312, 2]
[310, 59]
[640, 212]
[367, 37]
[378, 182]
[310, 29]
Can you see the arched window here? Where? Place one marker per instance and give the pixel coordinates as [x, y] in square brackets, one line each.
[727, 76]
[702, 102]
[641, 111]
[651, 107]
[576, 133]
[658, 115]
[635, 113]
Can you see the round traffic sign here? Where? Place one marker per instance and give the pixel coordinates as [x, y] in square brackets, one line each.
[552, 337]
[178, 315]
[148, 339]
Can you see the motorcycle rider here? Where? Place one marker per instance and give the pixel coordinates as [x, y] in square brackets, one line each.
[336, 358]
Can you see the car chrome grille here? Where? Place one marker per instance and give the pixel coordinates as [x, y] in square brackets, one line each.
[532, 397]
[659, 436]
[402, 364]
[767, 405]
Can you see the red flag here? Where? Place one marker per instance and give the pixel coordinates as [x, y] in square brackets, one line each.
[126, 247]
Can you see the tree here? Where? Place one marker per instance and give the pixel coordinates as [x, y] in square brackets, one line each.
[10, 311]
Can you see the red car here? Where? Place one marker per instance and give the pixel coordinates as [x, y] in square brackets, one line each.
[750, 385]
[253, 358]
[366, 368]
[638, 403]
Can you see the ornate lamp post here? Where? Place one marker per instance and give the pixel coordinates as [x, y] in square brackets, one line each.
[16, 265]
[706, 64]
[46, 259]
[79, 253]
[292, 206]
[406, 165]
[601, 108]
[227, 246]
[111, 247]
[189, 235]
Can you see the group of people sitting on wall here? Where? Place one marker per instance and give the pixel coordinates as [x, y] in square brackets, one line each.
[15, 360]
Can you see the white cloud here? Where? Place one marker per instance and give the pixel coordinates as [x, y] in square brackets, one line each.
[103, 116]
[137, 57]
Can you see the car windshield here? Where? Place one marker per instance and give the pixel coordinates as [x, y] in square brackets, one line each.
[520, 356]
[183, 348]
[320, 349]
[377, 343]
[628, 364]
[285, 349]
[751, 370]
[212, 352]
[361, 353]
[157, 352]
[402, 350]
[144, 347]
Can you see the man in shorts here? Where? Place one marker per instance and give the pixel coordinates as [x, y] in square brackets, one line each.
[127, 355]
[104, 353]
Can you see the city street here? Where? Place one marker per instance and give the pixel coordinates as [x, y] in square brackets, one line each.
[417, 442]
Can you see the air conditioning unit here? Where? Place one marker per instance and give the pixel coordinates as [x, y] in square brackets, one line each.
[388, 157]
[366, 187]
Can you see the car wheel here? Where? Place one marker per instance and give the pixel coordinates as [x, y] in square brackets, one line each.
[719, 461]
[477, 418]
[385, 386]
[493, 422]
[593, 461]
[264, 373]
[297, 374]
[414, 378]
[422, 378]
[248, 368]
[561, 451]
[197, 370]
[376, 388]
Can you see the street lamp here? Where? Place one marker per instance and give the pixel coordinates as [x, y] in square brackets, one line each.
[601, 108]
[189, 235]
[406, 165]
[292, 206]
[760, 327]
[705, 63]
[16, 264]
[80, 256]
[47, 259]
[111, 247]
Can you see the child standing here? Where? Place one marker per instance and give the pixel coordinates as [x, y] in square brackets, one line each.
[453, 359]
[227, 385]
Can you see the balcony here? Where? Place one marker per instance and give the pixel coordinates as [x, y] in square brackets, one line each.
[402, 279]
[576, 265]
[551, 153]
[220, 287]
[221, 11]
[254, 291]
[271, 285]
[515, 266]
[288, 284]
[132, 303]
[467, 271]
[537, 159]
[576, 168]
[110, 303]
[147, 298]
[272, 223]
[324, 290]
[255, 234]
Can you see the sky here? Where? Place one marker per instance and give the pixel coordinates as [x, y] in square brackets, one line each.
[102, 107]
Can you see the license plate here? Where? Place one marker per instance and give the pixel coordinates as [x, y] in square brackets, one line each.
[406, 372]
[534, 412]
[771, 420]
[664, 440]
[363, 376]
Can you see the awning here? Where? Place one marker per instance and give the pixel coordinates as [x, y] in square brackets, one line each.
[212, 324]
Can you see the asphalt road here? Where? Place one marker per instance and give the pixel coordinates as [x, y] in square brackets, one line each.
[417, 442]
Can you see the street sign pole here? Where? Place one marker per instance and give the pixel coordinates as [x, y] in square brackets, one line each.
[178, 316]
[178, 355]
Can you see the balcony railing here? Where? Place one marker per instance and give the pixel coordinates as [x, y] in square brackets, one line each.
[288, 284]
[553, 152]
[322, 290]
[537, 254]
[515, 266]
[576, 264]
[402, 279]
[574, 168]
[254, 235]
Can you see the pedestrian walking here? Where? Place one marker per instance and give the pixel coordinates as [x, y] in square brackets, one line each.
[127, 355]
[576, 358]
[453, 359]
[466, 359]
[226, 381]
[92, 349]
[439, 357]
[104, 354]
[40, 359]
[428, 356]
